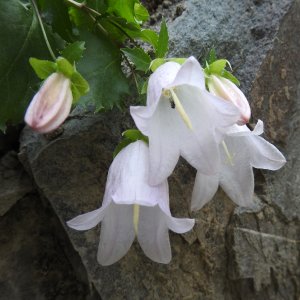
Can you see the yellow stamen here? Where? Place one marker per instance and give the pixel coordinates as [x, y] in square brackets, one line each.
[136, 215]
[229, 156]
[181, 110]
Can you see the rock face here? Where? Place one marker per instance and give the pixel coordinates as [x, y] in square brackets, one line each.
[231, 253]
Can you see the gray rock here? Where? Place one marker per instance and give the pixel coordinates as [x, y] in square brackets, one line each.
[14, 182]
[231, 253]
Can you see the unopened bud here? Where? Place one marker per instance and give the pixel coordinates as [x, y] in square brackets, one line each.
[51, 105]
[224, 88]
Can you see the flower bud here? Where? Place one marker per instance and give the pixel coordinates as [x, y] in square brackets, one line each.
[51, 105]
[224, 88]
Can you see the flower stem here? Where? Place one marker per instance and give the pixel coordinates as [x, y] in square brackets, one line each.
[37, 13]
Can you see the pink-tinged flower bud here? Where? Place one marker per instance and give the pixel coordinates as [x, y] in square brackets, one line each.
[51, 105]
[224, 88]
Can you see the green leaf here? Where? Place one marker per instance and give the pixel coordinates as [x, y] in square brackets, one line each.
[163, 40]
[139, 57]
[42, 68]
[64, 67]
[141, 12]
[218, 66]
[231, 77]
[146, 35]
[80, 18]
[101, 67]
[55, 13]
[20, 39]
[79, 86]
[73, 52]
[123, 9]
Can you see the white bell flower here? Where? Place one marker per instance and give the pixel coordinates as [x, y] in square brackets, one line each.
[132, 208]
[240, 151]
[180, 118]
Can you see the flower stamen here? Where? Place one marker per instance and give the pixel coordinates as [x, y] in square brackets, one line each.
[180, 109]
[136, 216]
[228, 154]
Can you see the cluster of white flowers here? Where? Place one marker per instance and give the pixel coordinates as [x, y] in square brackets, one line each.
[181, 118]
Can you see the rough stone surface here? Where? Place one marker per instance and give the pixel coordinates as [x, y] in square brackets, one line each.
[232, 253]
[32, 261]
[14, 182]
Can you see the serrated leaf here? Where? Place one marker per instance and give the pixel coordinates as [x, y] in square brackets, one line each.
[141, 12]
[20, 39]
[64, 67]
[231, 77]
[139, 57]
[73, 52]
[101, 67]
[163, 41]
[42, 68]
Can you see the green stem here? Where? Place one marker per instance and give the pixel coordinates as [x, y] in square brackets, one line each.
[37, 13]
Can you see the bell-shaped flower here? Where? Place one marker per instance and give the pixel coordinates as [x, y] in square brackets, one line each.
[241, 150]
[132, 208]
[180, 118]
[225, 89]
[51, 105]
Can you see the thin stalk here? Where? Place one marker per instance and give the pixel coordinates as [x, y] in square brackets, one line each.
[37, 13]
[132, 71]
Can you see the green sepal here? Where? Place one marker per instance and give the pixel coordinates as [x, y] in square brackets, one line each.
[64, 67]
[231, 77]
[130, 136]
[160, 61]
[139, 57]
[79, 86]
[73, 52]
[42, 68]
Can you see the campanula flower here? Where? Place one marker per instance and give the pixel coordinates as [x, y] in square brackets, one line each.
[132, 208]
[51, 105]
[181, 118]
[240, 151]
[225, 89]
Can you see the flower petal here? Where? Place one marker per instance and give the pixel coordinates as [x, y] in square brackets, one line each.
[205, 188]
[236, 177]
[190, 73]
[264, 154]
[117, 234]
[165, 133]
[153, 234]
[88, 220]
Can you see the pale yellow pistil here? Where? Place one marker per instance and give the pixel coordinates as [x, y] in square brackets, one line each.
[229, 156]
[179, 107]
[136, 216]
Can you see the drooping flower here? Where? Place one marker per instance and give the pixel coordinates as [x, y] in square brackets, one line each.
[180, 118]
[51, 105]
[240, 151]
[132, 208]
[224, 88]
